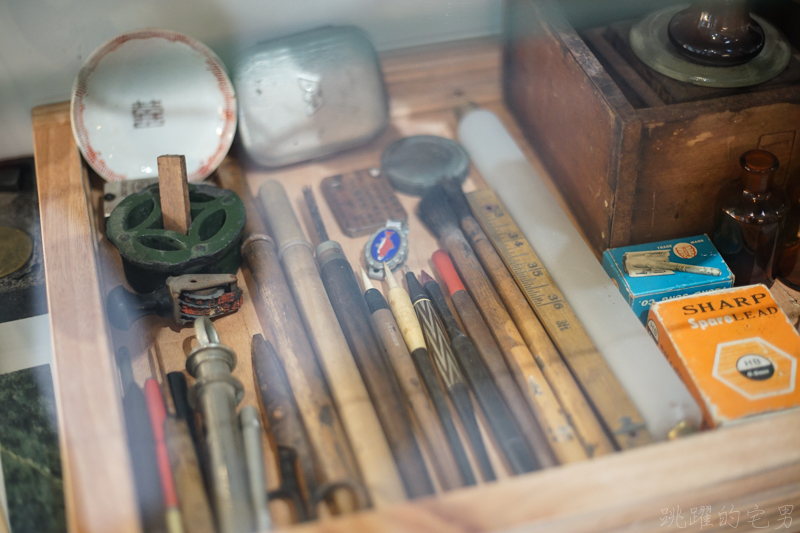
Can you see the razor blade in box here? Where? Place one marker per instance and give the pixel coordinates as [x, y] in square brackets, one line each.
[660, 271]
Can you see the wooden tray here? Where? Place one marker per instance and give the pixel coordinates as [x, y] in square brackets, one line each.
[754, 463]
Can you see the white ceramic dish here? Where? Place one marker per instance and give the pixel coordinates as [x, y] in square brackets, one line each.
[148, 93]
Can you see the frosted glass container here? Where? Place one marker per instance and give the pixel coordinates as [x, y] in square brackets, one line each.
[309, 95]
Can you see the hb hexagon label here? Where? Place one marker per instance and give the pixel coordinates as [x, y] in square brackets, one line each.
[754, 368]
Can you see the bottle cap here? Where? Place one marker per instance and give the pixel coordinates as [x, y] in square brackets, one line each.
[759, 161]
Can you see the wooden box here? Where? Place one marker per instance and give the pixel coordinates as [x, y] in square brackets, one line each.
[755, 463]
[637, 156]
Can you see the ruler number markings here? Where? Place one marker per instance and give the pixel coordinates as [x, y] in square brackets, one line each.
[525, 266]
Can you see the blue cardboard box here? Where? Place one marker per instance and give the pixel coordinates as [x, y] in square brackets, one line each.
[650, 273]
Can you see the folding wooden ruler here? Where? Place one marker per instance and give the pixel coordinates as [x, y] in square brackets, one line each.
[576, 347]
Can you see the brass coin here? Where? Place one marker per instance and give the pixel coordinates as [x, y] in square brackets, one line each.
[15, 249]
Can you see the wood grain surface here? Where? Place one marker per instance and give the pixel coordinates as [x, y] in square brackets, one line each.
[194, 505]
[98, 486]
[621, 492]
[583, 419]
[625, 163]
[552, 419]
[173, 191]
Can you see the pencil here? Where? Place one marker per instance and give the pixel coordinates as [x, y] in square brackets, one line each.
[448, 369]
[481, 336]
[587, 425]
[384, 391]
[436, 214]
[433, 434]
[407, 320]
[497, 414]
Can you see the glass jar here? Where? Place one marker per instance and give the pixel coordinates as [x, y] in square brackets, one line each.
[787, 263]
[717, 33]
[749, 218]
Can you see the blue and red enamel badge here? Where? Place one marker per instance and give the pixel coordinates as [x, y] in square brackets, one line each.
[387, 245]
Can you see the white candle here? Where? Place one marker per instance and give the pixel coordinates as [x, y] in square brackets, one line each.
[643, 371]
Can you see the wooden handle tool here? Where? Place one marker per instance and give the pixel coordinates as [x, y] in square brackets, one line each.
[499, 417]
[360, 420]
[192, 498]
[435, 212]
[448, 369]
[158, 415]
[434, 436]
[555, 371]
[480, 334]
[285, 421]
[354, 318]
[179, 390]
[332, 454]
[622, 417]
[326, 456]
[407, 321]
[142, 447]
[289, 433]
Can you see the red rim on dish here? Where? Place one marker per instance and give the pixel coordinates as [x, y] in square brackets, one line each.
[196, 172]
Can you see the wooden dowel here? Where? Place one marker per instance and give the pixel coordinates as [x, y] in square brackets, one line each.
[433, 435]
[569, 394]
[192, 497]
[361, 423]
[173, 191]
[333, 458]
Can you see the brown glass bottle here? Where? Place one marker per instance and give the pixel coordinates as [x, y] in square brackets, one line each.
[787, 262]
[749, 219]
[717, 33]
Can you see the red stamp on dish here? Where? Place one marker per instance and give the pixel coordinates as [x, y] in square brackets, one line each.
[684, 250]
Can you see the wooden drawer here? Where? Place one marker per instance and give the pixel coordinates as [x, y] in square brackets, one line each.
[753, 463]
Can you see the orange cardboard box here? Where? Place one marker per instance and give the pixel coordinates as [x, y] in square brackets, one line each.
[734, 348]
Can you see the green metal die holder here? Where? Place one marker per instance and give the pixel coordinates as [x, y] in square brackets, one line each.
[151, 254]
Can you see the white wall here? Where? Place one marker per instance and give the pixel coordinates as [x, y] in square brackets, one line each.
[44, 42]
